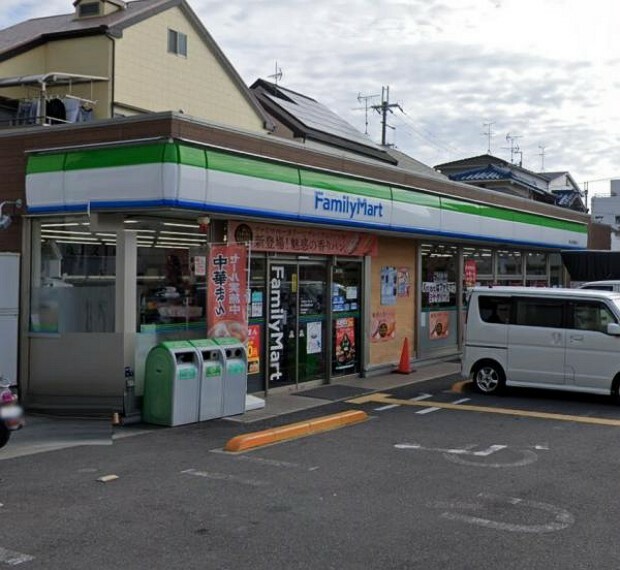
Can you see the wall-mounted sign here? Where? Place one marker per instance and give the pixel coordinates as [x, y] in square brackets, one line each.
[403, 282]
[389, 283]
[383, 325]
[274, 238]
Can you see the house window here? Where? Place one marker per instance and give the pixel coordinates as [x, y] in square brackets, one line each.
[617, 219]
[177, 43]
[89, 9]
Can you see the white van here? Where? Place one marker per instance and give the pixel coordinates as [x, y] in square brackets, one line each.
[561, 339]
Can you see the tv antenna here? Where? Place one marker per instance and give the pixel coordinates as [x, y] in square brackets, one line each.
[277, 76]
[514, 148]
[365, 98]
[488, 133]
[542, 157]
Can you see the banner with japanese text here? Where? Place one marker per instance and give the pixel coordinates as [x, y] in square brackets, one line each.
[227, 305]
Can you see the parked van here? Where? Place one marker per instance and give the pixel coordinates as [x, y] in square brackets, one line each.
[562, 339]
[602, 285]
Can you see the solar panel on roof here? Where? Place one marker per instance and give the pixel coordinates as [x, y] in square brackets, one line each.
[318, 117]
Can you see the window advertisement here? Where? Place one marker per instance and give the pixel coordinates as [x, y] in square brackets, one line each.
[227, 292]
[254, 348]
[536, 269]
[439, 305]
[346, 313]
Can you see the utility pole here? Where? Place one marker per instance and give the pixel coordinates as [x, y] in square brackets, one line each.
[366, 98]
[488, 133]
[383, 109]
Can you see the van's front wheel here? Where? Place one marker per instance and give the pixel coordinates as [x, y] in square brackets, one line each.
[489, 378]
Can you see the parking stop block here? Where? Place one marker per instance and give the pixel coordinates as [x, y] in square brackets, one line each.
[293, 431]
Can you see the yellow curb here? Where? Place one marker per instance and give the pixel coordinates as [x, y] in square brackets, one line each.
[293, 431]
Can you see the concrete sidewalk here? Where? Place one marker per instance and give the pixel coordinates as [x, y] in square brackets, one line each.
[49, 433]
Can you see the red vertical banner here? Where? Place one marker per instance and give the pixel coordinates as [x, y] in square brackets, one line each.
[227, 306]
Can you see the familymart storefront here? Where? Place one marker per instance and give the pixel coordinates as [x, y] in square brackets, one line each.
[118, 262]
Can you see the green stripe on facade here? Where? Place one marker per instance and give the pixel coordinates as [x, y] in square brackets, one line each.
[417, 198]
[121, 156]
[341, 184]
[39, 164]
[452, 205]
[252, 167]
[192, 156]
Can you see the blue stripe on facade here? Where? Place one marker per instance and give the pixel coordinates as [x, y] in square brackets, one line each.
[269, 214]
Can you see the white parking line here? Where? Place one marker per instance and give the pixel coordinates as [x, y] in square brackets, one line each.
[12, 558]
[421, 397]
[462, 401]
[388, 407]
[428, 410]
[224, 477]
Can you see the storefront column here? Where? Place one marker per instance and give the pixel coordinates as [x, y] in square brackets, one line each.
[126, 281]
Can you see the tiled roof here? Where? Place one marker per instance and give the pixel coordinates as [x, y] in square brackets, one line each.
[494, 173]
[38, 30]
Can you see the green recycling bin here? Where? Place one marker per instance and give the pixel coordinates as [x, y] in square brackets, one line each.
[211, 373]
[171, 384]
[235, 375]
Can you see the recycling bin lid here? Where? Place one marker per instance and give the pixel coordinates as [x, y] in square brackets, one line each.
[203, 343]
[177, 345]
[227, 341]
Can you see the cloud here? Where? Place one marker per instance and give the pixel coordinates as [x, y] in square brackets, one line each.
[547, 71]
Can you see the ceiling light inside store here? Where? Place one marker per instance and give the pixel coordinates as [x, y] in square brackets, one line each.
[63, 224]
[170, 246]
[131, 221]
[195, 234]
[175, 225]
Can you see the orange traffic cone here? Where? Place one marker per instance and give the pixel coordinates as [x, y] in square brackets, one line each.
[404, 367]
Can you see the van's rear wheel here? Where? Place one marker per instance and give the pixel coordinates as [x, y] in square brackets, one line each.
[489, 378]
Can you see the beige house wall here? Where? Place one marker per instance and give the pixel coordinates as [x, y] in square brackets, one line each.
[148, 77]
[392, 252]
[83, 56]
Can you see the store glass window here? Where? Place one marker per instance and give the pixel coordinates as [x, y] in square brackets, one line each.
[73, 277]
[439, 314]
[536, 269]
[171, 288]
[556, 270]
[510, 267]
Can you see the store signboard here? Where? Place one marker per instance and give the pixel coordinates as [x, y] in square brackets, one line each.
[227, 290]
[275, 347]
[274, 238]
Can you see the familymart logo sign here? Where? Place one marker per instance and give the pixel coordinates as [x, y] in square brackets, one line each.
[348, 206]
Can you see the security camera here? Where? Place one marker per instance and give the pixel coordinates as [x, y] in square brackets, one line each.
[5, 222]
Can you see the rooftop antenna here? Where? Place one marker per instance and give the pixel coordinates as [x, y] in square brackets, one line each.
[514, 148]
[277, 76]
[366, 98]
[488, 133]
[542, 157]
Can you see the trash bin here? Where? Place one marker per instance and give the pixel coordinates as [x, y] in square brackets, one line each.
[171, 384]
[211, 379]
[235, 375]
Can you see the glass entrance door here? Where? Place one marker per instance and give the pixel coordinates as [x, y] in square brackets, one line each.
[297, 319]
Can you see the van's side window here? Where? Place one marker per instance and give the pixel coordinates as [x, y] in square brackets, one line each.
[494, 309]
[539, 312]
[590, 316]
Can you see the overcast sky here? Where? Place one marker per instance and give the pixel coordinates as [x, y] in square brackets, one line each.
[546, 72]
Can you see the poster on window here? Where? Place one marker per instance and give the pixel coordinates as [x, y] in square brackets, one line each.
[389, 283]
[404, 284]
[383, 325]
[439, 325]
[345, 343]
[253, 347]
[314, 339]
[471, 273]
[227, 292]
